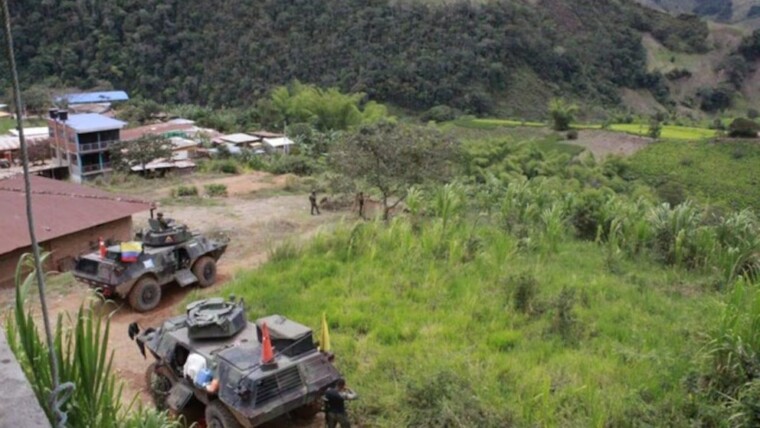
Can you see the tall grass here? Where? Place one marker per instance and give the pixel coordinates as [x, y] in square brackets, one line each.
[80, 343]
[498, 336]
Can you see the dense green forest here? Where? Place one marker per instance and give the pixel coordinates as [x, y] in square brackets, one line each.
[464, 55]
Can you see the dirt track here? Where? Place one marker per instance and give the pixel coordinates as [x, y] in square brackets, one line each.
[254, 223]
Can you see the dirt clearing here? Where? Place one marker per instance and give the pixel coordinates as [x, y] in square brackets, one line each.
[255, 223]
[605, 143]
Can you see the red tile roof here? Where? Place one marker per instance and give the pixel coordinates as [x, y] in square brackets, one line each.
[59, 208]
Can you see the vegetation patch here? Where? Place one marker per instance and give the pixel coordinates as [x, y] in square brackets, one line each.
[667, 132]
[725, 173]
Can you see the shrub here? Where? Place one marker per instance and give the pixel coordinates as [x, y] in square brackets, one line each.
[215, 189]
[564, 321]
[526, 287]
[447, 399]
[185, 191]
[743, 128]
[293, 164]
[752, 113]
[81, 345]
[572, 134]
[440, 113]
[226, 166]
[672, 192]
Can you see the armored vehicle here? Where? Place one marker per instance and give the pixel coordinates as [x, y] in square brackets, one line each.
[165, 253]
[212, 363]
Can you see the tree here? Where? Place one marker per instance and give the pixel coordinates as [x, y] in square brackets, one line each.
[655, 127]
[147, 148]
[562, 113]
[38, 151]
[743, 128]
[391, 158]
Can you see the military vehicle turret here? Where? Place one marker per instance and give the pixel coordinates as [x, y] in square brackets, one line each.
[213, 363]
[165, 253]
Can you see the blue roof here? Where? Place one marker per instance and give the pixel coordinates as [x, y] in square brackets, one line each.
[95, 97]
[92, 122]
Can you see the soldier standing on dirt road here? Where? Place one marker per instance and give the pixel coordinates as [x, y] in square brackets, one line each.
[335, 404]
[313, 201]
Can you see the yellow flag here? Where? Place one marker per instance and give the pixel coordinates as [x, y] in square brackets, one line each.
[324, 339]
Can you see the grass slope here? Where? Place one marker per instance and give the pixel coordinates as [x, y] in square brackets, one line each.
[725, 172]
[426, 325]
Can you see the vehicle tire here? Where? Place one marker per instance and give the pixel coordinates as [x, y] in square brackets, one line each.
[205, 269]
[145, 295]
[218, 416]
[158, 385]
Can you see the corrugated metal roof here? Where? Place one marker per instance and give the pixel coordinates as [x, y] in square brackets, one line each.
[279, 142]
[9, 142]
[239, 138]
[92, 122]
[33, 132]
[60, 208]
[94, 97]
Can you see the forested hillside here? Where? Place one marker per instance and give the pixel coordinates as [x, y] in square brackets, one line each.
[411, 54]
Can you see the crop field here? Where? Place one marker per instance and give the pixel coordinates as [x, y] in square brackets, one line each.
[726, 173]
[454, 325]
[669, 132]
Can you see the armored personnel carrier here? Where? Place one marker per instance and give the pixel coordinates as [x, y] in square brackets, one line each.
[165, 253]
[213, 363]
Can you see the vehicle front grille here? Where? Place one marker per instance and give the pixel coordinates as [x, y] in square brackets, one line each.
[278, 384]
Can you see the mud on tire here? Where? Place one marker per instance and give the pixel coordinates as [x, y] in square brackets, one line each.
[158, 385]
[205, 270]
[145, 295]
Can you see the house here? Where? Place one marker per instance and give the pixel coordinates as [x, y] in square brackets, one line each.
[280, 144]
[82, 142]
[239, 140]
[69, 220]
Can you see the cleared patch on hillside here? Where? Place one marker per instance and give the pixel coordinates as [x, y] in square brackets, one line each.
[606, 143]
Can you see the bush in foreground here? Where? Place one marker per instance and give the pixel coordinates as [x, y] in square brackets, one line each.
[81, 347]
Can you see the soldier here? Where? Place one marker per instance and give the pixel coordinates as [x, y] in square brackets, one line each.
[160, 217]
[313, 201]
[335, 404]
[360, 203]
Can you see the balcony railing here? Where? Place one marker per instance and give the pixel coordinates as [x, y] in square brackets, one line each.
[89, 147]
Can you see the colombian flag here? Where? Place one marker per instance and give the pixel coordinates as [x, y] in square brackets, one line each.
[130, 251]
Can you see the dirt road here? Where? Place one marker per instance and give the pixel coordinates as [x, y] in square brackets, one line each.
[255, 223]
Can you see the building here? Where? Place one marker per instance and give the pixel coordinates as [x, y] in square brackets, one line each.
[93, 97]
[69, 220]
[279, 145]
[82, 142]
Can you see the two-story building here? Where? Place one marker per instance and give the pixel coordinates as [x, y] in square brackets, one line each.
[82, 141]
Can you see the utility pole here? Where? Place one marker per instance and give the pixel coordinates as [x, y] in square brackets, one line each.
[57, 390]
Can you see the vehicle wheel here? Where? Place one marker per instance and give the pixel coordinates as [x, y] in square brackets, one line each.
[205, 270]
[217, 416]
[158, 385]
[145, 295]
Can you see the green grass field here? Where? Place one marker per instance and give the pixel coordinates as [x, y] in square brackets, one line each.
[726, 173]
[669, 132]
[426, 326]
[6, 124]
